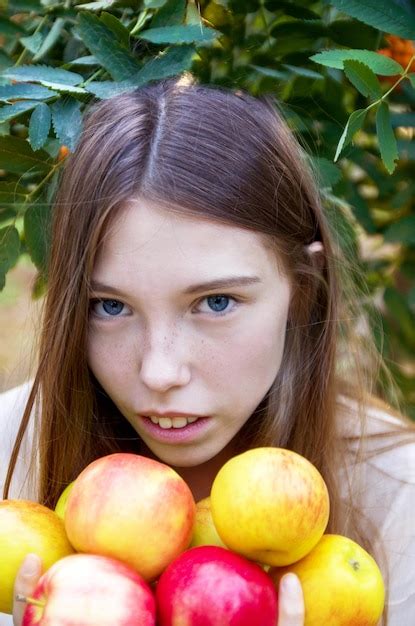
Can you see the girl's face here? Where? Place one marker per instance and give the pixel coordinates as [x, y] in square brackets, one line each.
[188, 319]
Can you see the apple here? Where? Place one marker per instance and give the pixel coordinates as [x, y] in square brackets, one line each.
[341, 582]
[90, 590]
[27, 526]
[270, 505]
[63, 499]
[132, 508]
[204, 531]
[212, 586]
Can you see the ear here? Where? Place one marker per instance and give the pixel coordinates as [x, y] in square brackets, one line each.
[315, 251]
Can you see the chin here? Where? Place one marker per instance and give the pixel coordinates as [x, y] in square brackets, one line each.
[184, 457]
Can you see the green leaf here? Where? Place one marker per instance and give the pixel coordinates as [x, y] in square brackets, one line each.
[192, 14]
[5, 61]
[342, 228]
[291, 8]
[37, 223]
[378, 63]
[117, 27]
[85, 60]
[412, 79]
[67, 121]
[386, 137]
[12, 195]
[386, 16]
[50, 39]
[24, 91]
[329, 174]
[32, 43]
[271, 72]
[96, 6]
[171, 13]
[402, 231]
[154, 4]
[5, 216]
[354, 123]
[39, 125]
[170, 62]
[353, 34]
[10, 111]
[180, 34]
[310, 29]
[303, 71]
[9, 247]
[42, 73]
[142, 19]
[399, 309]
[62, 88]
[362, 77]
[111, 54]
[17, 156]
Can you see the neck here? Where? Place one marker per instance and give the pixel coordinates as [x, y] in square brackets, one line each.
[200, 478]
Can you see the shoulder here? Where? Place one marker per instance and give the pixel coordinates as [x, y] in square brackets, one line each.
[12, 405]
[380, 452]
[14, 398]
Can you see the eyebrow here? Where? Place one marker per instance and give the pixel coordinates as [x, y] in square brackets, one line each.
[218, 283]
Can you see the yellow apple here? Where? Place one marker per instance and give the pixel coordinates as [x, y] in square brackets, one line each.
[131, 508]
[341, 582]
[270, 505]
[63, 499]
[25, 527]
[204, 531]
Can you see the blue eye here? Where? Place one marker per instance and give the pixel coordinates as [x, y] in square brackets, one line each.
[112, 307]
[218, 304]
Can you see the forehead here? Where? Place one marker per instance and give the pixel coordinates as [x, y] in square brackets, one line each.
[145, 239]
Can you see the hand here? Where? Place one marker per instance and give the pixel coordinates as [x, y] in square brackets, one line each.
[291, 602]
[24, 585]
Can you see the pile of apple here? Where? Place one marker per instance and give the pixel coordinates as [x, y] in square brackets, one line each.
[128, 546]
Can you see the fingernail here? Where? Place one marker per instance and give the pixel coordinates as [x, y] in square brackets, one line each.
[30, 565]
[290, 583]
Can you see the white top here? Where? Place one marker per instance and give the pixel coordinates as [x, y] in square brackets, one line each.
[387, 496]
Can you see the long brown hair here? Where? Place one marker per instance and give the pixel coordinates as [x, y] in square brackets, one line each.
[220, 155]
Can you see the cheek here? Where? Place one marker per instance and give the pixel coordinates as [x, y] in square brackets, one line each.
[109, 358]
[249, 360]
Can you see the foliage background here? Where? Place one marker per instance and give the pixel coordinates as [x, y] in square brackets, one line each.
[351, 107]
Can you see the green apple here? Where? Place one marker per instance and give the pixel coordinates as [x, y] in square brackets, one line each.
[60, 507]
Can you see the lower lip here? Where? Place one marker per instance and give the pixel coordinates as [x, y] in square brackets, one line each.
[175, 435]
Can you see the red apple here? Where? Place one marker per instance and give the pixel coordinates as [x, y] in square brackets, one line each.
[131, 508]
[211, 586]
[90, 590]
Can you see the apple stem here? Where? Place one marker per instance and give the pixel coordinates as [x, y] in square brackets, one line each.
[29, 600]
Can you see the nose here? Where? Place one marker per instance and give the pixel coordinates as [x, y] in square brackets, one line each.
[163, 363]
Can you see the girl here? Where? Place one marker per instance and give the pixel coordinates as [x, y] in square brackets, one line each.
[198, 306]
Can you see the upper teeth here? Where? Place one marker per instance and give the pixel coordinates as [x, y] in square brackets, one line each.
[172, 422]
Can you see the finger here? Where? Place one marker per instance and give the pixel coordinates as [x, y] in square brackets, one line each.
[24, 585]
[291, 602]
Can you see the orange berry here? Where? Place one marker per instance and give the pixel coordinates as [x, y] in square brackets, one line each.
[63, 153]
[385, 51]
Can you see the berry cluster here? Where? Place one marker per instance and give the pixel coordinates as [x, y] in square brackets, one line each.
[400, 50]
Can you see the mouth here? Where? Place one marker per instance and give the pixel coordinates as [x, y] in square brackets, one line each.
[175, 429]
[171, 422]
